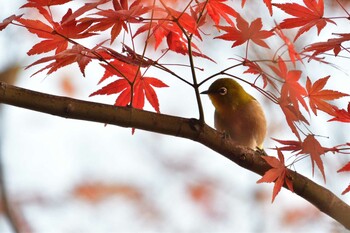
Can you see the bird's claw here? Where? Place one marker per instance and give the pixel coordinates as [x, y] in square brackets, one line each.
[260, 151]
[225, 135]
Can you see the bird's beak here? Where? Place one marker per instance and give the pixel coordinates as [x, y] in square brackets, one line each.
[205, 92]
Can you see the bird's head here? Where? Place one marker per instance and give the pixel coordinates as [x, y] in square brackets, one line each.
[226, 93]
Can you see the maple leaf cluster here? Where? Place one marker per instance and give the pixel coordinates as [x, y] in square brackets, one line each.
[168, 28]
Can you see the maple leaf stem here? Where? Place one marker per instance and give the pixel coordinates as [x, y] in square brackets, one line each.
[201, 13]
[169, 12]
[162, 67]
[297, 159]
[246, 50]
[276, 53]
[218, 73]
[346, 49]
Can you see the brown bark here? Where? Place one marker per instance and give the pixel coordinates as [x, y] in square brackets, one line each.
[192, 129]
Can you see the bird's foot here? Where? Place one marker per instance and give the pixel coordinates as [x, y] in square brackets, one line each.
[261, 151]
[225, 135]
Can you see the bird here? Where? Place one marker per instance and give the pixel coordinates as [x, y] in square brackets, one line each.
[238, 115]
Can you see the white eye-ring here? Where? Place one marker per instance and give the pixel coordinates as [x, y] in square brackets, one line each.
[223, 91]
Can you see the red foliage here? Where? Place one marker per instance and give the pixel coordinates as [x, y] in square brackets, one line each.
[318, 96]
[56, 35]
[117, 18]
[306, 16]
[294, 55]
[216, 9]
[312, 147]
[254, 68]
[8, 20]
[341, 115]
[334, 44]
[182, 27]
[245, 32]
[346, 168]
[132, 84]
[278, 174]
[291, 87]
[42, 3]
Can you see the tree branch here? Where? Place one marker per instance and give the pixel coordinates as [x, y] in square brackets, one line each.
[192, 129]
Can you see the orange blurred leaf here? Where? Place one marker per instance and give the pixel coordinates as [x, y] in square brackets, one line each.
[68, 86]
[96, 192]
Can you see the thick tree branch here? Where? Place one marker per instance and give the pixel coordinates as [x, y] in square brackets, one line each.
[192, 129]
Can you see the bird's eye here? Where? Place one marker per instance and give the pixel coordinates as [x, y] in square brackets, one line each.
[223, 91]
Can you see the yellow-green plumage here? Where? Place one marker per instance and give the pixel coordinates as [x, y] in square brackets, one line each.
[237, 113]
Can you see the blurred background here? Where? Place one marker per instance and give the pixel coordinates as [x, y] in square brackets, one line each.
[65, 175]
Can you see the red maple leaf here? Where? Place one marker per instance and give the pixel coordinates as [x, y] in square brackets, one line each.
[291, 49]
[217, 9]
[292, 114]
[117, 18]
[306, 16]
[179, 44]
[289, 145]
[170, 20]
[267, 3]
[130, 56]
[41, 3]
[132, 84]
[9, 20]
[85, 8]
[77, 53]
[254, 68]
[312, 147]
[291, 87]
[159, 30]
[346, 190]
[245, 32]
[318, 96]
[175, 27]
[345, 168]
[278, 174]
[334, 44]
[54, 35]
[186, 21]
[341, 115]
[175, 38]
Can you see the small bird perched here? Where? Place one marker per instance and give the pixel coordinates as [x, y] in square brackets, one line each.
[237, 113]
